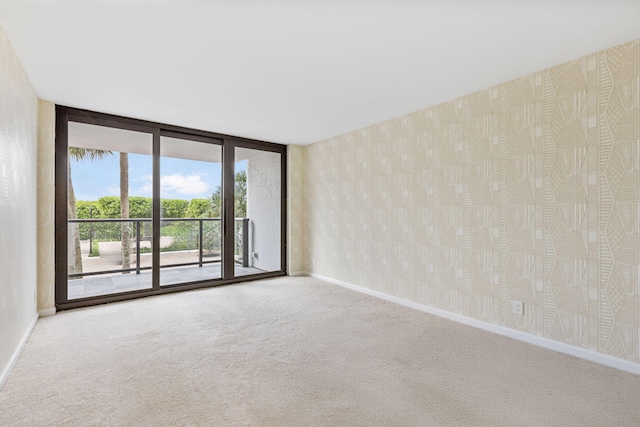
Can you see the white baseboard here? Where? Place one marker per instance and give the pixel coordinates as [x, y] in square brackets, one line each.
[45, 312]
[603, 359]
[298, 273]
[16, 354]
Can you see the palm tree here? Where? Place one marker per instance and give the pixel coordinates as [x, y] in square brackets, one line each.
[124, 211]
[79, 154]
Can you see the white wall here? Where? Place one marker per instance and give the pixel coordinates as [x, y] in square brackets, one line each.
[263, 210]
[18, 165]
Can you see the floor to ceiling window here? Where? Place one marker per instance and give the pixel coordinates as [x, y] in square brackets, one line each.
[190, 220]
[145, 208]
[106, 250]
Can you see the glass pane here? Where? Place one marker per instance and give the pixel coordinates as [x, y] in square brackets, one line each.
[257, 206]
[190, 226]
[109, 218]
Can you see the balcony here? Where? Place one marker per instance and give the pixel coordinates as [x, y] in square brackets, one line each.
[190, 251]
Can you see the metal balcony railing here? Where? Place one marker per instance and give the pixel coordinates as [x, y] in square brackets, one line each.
[241, 235]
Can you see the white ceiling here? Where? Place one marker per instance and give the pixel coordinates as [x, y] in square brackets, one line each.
[295, 71]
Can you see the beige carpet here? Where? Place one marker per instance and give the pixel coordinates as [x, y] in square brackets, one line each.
[297, 351]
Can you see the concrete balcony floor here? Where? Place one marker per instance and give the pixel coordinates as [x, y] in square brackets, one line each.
[107, 284]
[110, 259]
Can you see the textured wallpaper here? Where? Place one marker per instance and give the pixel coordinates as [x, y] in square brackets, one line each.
[46, 205]
[18, 164]
[529, 190]
[295, 211]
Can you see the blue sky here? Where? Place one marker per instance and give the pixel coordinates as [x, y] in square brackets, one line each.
[179, 178]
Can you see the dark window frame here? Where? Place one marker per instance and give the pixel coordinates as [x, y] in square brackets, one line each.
[64, 115]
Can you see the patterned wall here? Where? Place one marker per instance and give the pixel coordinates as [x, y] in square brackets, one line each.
[529, 190]
[46, 205]
[18, 165]
[295, 213]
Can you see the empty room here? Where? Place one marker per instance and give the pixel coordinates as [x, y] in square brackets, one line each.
[269, 213]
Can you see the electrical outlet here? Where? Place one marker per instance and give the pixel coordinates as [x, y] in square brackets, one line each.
[518, 307]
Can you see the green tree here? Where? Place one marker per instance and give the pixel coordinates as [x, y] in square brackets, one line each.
[199, 208]
[215, 200]
[240, 197]
[79, 154]
[140, 207]
[173, 208]
[86, 210]
[109, 206]
[239, 206]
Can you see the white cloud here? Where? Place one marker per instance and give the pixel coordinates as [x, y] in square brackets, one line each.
[177, 184]
[188, 185]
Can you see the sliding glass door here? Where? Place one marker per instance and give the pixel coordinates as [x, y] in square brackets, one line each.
[144, 208]
[109, 210]
[190, 210]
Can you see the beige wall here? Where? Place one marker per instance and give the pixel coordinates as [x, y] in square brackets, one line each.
[295, 212]
[46, 206]
[18, 177]
[528, 190]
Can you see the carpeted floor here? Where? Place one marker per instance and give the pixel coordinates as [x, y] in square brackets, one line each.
[297, 351]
